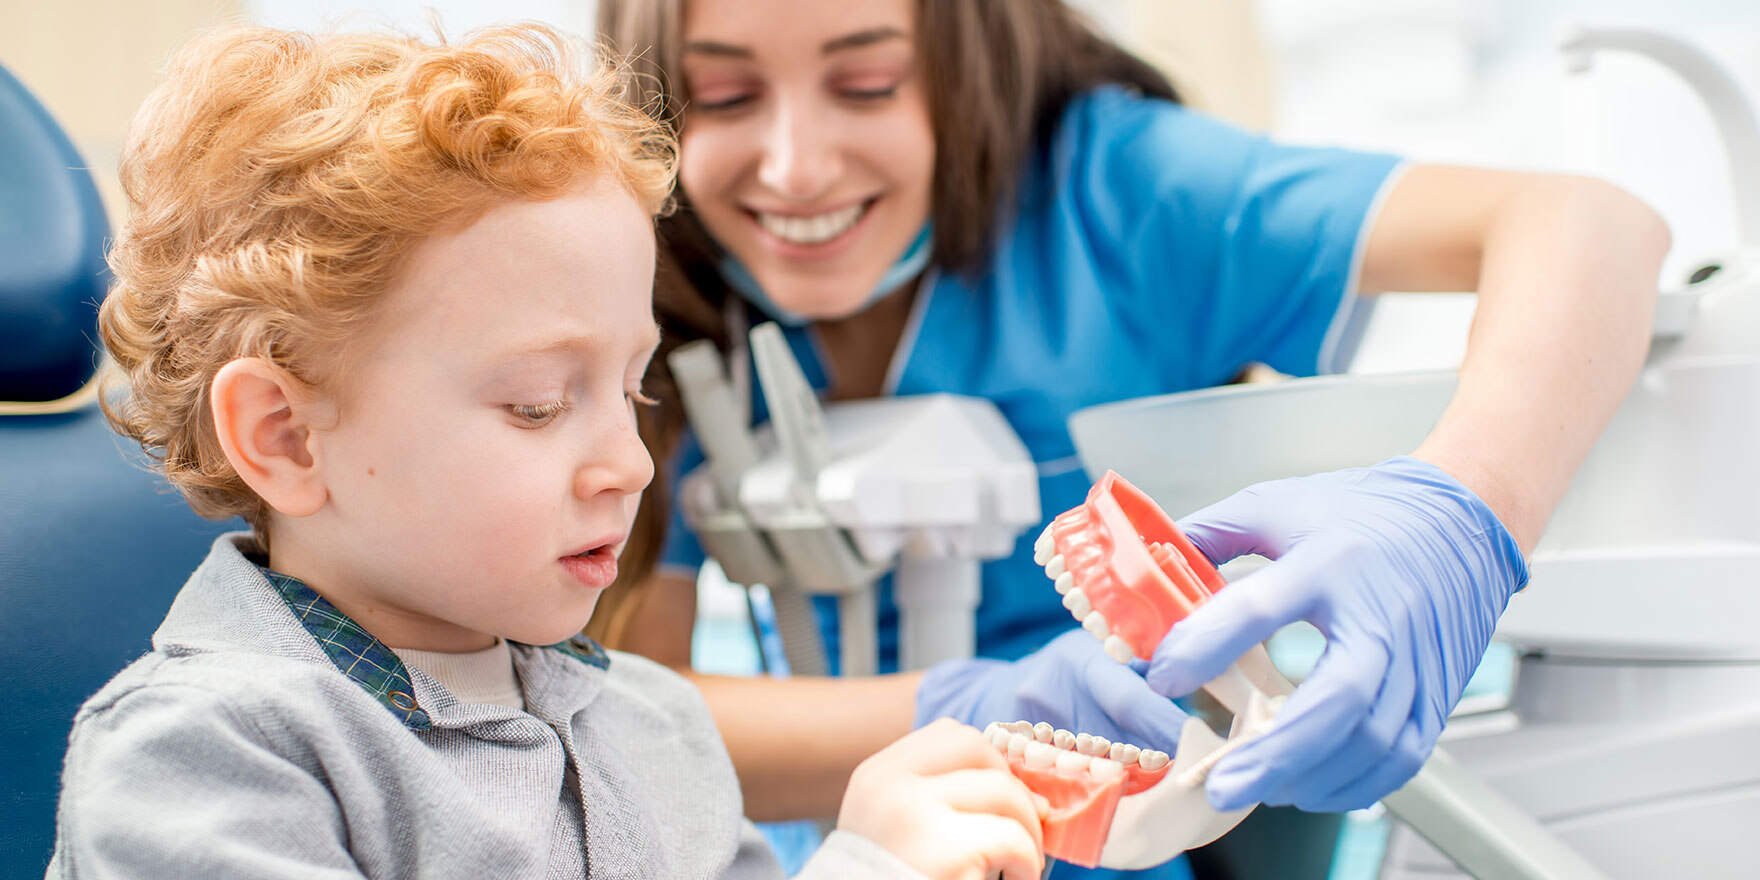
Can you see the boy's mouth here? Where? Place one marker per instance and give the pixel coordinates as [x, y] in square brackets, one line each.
[594, 565]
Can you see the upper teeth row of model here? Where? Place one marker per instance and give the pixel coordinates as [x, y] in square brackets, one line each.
[1045, 553]
[1041, 747]
[814, 229]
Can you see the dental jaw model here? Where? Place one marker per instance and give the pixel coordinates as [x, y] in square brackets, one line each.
[1128, 575]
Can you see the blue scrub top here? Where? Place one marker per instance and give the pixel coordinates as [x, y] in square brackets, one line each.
[1152, 250]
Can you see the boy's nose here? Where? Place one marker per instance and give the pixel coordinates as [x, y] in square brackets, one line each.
[800, 160]
[621, 464]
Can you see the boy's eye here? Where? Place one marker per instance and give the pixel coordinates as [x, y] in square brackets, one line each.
[539, 415]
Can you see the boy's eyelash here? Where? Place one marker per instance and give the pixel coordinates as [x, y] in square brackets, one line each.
[540, 414]
[544, 413]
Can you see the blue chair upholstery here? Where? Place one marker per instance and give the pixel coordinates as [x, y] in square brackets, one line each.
[93, 546]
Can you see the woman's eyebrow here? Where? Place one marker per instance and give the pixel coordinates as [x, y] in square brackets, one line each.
[861, 38]
[710, 47]
[854, 40]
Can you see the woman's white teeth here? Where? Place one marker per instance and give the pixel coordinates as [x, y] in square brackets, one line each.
[1043, 732]
[1117, 649]
[1124, 753]
[1063, 739]
[1152, 760]
[811, 230]
[1017, 745]
[1065, 583]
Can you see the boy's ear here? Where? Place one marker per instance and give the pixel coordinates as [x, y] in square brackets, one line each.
[263, 421]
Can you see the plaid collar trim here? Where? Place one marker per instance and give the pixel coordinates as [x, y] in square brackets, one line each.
[357, 653]
[585, 650]
[369, 663]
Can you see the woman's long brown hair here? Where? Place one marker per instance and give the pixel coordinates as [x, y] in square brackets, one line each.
[1000, 73]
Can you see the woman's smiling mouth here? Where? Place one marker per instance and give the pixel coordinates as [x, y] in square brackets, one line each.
[813, 229]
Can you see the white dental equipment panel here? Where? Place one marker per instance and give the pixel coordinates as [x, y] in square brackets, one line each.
[825, 499]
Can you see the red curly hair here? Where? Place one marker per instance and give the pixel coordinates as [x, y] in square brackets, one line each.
[278, 180]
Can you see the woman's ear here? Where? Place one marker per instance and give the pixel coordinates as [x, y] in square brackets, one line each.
[263, 419]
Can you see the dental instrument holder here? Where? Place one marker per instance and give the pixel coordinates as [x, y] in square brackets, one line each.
[823, 501]
[1725, 284]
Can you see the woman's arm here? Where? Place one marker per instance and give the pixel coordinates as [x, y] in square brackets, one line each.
[1566, 270]
[1407, 565]
[794, 741]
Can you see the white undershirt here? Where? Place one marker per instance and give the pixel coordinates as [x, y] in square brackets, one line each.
[484, 676]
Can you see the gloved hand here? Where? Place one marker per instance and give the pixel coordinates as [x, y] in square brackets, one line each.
[1403, 569]
[1070, 683]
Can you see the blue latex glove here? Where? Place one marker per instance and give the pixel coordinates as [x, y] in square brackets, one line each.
[1406, 572]
[1070, 683]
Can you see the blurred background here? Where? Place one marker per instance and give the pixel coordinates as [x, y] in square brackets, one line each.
[1449, 80]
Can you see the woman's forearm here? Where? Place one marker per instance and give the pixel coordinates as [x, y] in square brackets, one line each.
[1567, 287]
[794, 741]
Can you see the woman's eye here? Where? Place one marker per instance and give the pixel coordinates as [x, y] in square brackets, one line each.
[539, 415]
[867, 95]
[722, 104]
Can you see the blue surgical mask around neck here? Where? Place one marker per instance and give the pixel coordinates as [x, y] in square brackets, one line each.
[907, 267]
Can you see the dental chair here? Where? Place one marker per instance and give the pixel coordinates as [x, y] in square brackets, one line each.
[93, 545]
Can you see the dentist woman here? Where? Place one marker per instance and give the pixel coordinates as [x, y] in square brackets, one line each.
[984, 197]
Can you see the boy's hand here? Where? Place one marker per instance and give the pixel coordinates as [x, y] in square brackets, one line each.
[943, 800]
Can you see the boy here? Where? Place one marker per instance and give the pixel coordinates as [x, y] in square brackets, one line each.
[390, 302]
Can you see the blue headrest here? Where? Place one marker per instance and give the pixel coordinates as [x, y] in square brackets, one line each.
[52, 272]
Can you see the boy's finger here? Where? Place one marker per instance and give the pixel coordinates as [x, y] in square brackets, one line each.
[991, 792]
[1006, 847]
[944, 746]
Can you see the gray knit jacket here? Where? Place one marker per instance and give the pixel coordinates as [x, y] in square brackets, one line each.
[258, 740]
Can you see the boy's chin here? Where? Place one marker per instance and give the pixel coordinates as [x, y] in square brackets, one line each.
[551, 631]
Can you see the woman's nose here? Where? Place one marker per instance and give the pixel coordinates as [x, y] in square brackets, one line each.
[800, 161]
